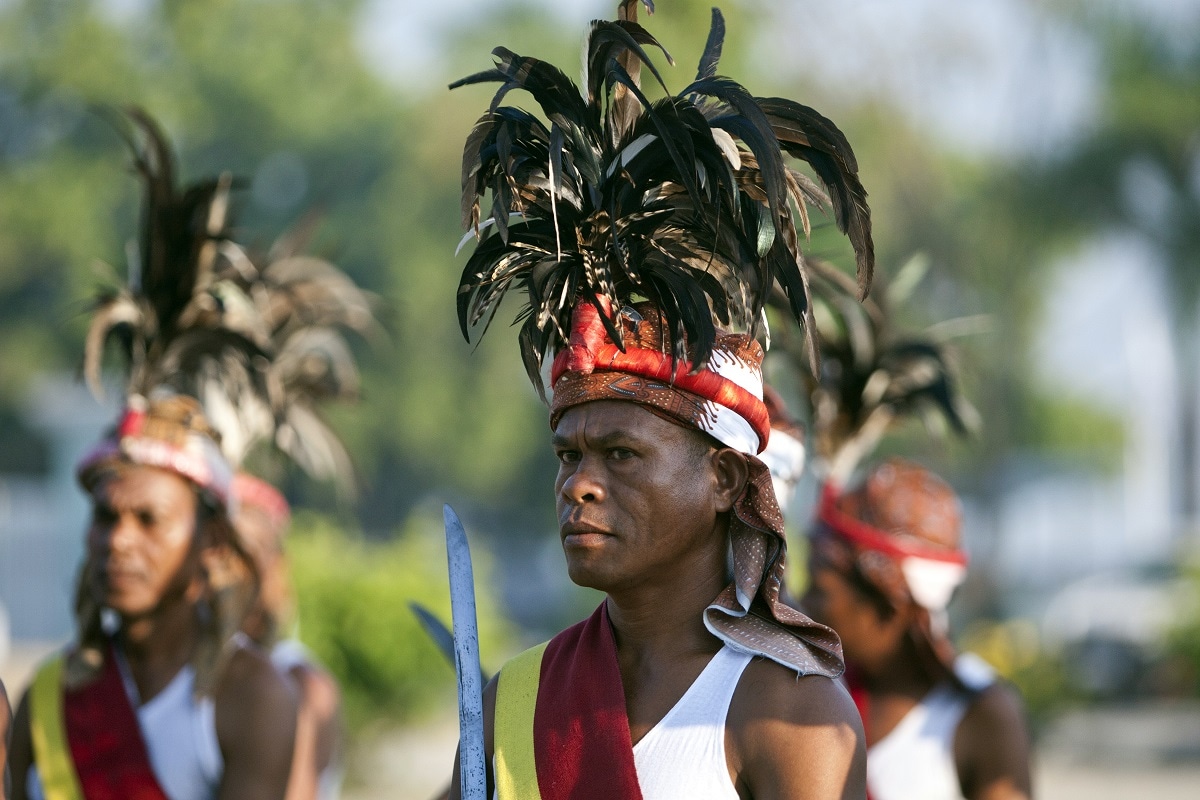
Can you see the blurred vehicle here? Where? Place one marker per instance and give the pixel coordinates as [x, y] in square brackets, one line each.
[1111, 630]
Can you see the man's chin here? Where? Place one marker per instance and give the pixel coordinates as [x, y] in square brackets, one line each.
[590, 575]
[127, 607]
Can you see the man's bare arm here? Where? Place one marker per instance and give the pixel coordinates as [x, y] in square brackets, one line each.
[317, 726]
[794, 738]
[991, 747]
[256, 728]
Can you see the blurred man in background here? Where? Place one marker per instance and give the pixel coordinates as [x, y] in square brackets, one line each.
[884, 561]
[160, 695]
[262, 521]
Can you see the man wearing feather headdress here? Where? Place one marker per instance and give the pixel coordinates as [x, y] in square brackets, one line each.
[885, 557]
[647, 236]
[160, 696]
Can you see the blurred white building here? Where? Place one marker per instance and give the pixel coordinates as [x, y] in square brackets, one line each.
[42, 519]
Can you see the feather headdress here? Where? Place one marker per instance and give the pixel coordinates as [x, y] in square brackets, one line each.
[257, 341]
[872, 374]
[178, 326]
[687, 202]
[304, 306]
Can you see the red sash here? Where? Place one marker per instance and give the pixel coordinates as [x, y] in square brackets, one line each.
[106, 744]
[580, 727]
[561, 728]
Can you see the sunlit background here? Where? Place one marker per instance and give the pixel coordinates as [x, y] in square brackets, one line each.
[1043, 157]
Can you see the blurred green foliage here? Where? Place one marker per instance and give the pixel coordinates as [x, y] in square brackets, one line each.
[1073, 427]
[1183, 640]
[281, 94]
[354, 614]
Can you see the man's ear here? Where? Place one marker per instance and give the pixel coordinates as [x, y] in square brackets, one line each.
[732, 472]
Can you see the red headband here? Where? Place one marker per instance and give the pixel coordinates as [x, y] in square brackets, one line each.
[869, 537]
[729, 380]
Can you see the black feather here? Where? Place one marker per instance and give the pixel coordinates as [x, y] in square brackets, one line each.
[687, 202]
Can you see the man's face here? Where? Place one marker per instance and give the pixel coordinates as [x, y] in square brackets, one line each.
[142, 541]
[637, 496]
[263, 541]
[868, 639]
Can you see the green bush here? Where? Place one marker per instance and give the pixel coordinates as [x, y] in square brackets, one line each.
[1183, 639]
[353, 606]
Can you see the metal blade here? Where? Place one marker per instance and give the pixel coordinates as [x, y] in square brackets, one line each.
[440, 635]
[472, 771]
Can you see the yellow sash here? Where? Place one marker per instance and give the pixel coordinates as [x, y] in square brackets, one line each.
[516, 699]
[50, 750]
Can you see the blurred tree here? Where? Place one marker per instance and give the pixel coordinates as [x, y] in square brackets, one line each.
[280, 94]
[1136, 170]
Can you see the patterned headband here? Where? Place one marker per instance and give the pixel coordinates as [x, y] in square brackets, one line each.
[723, 399]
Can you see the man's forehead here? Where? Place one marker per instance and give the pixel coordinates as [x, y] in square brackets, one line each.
[141, 485]
[611, 419]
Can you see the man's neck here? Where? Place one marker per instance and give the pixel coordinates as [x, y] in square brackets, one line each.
[666, 617]
[902, 674]
[157, 645]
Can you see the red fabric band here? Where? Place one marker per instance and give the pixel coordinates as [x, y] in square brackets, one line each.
[590, 349]
[106, 743]
[580, 727]
[866, 536]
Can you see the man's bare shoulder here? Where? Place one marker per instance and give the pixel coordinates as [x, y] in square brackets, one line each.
[256, 726]
[250, 672]
[992, 746]
[319, 692]
[795, 736]
[771, 689]
[251, 689]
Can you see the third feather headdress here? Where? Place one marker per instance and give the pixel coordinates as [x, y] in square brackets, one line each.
[873, 374]
[687, 202]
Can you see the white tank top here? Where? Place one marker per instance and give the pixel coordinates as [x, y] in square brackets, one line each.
[180, 735]
[915, 761]
[683, 756]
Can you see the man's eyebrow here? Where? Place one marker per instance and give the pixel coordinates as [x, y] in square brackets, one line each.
[609, 439]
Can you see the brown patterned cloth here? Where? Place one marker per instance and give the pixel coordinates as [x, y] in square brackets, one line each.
[748, 614]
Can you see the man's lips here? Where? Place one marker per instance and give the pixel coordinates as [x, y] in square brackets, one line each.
[580, 534]
[121, 576]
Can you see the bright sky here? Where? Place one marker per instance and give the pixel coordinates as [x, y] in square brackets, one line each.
[990, 75]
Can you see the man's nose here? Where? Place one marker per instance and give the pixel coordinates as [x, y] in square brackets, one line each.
[584, 484]
[121, 534]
